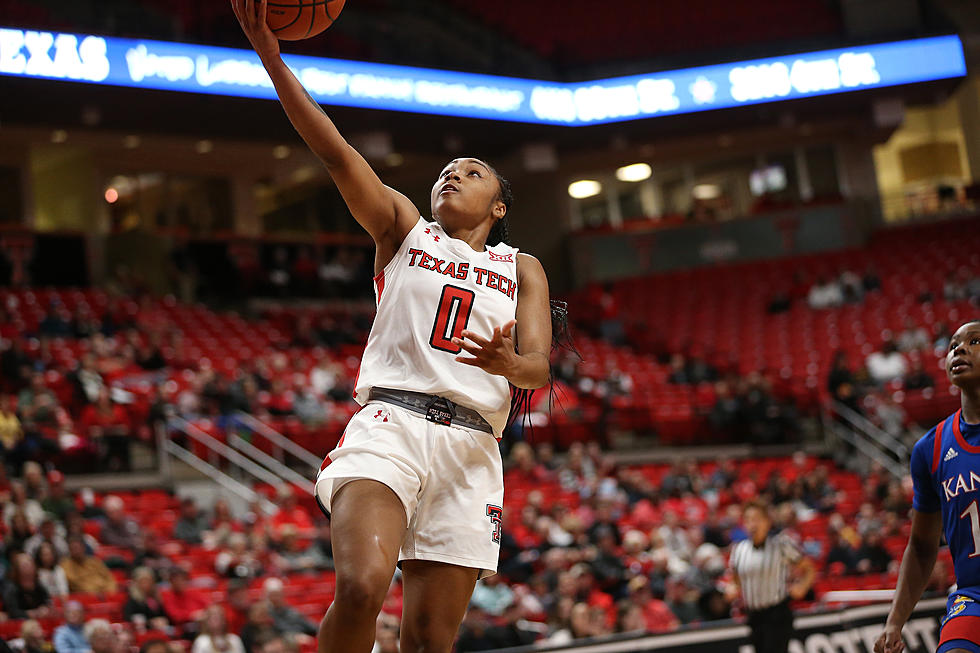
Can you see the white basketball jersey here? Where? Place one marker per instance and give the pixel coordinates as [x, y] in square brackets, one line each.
[433, 288]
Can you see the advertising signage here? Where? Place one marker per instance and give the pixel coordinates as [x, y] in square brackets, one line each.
[188, 68]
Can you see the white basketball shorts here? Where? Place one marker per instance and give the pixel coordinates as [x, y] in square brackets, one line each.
[448, 478]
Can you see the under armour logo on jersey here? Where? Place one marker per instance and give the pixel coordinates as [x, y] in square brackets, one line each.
[950, 454]
[503, 258]
[434, 237]
[382, 415]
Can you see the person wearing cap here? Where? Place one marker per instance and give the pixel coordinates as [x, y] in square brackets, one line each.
[57, 502]
[70, 637]
[290, 512]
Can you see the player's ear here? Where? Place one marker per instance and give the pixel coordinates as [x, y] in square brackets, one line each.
[499, 210]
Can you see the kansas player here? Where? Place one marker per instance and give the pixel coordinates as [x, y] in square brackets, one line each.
[417, 478]
[946, 478]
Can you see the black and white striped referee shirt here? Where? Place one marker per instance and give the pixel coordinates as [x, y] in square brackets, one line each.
[763, 571]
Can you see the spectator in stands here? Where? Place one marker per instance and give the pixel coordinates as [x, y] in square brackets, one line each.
[50, 574]
[70, 637]
[851, 286]
[155, 645]
[918, 378]
[940, 339]
[825, 293]
[32, 640]
[57, 502]
[260, 625]
[321, 548]
[86, 379]
[149, 554]
[15, 365]
[19, 502]
[183, 604]
[24, 597]
[19, 532]
[190, 526]
[106, 423]
[657, 615]
[887, 364]
[290, 512]
[840, 552]
[841, 382]
[237, 604]
[12, 445]
[144, 603]
[86, 573]
[118, 529]
[954, 288]
[323, 378]
[286, 620]
[101, 637]
[34, 484]
[912, 337]
[215, 636]
[47, 533]
[871, 281]
[872, 557]
[291, 557]
[237, 561]
[493, 596]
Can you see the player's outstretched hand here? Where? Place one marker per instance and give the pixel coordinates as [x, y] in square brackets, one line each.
[890, 641]
[251, 16]
[496, 355]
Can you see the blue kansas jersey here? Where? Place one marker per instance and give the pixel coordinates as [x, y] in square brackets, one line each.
[946, 476]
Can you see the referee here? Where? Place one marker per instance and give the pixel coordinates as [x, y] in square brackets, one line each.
[762, 564]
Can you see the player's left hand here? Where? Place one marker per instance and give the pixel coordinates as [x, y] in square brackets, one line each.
[496, 355]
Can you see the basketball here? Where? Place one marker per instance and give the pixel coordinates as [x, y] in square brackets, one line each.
[292, 20]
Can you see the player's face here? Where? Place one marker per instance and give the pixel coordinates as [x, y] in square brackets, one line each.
[466, 188]
[963, 356]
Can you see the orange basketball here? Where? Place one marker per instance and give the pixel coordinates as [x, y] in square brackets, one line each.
[292, 20]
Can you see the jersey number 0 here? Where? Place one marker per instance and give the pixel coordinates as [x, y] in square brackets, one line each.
[455, 306]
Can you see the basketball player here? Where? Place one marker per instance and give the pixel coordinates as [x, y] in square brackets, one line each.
[416, 478]
[945, 470]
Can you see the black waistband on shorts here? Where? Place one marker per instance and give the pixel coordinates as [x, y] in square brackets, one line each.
[433, 408]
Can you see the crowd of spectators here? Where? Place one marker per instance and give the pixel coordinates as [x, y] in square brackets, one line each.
[590, 547]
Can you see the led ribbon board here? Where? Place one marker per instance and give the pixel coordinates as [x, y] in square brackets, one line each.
[189, 68]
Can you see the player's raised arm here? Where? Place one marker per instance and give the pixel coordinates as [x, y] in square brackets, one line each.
[917, 563]
[386, 214]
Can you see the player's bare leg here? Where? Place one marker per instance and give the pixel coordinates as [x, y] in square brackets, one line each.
[368, 522]
[435, 599]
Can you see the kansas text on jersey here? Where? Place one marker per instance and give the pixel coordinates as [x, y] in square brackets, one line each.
[946, 476]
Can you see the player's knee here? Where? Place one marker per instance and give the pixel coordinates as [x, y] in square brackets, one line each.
[426, 633]
[362, 592]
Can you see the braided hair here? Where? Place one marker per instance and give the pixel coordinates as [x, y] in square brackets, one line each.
[500, 231]
[561, 338]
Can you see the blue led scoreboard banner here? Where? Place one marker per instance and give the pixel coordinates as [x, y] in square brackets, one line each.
[139, 63]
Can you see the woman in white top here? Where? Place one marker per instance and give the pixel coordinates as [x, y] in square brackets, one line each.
[49, 572]
[214, 637]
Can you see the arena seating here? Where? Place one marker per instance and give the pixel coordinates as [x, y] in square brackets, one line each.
[156, 511]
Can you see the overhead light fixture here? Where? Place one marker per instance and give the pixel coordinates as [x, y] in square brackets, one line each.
[281, 151]
[584, 188]
[59, 136]
[111, 195]
[706, 191]
[131, 142]
[204, 147]
[634, 172]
